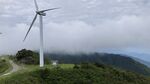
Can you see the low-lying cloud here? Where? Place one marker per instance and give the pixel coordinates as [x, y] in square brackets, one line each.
[80, 26]
[78, 36]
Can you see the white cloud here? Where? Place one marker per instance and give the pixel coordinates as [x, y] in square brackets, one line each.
[80, 25]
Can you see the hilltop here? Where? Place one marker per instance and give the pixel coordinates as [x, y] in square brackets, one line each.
[80, 74]
[116, 60]
[94, 68]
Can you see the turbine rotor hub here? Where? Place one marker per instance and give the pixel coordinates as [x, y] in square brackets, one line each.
[41, 13]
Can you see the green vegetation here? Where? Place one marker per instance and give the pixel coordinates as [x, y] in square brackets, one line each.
[123, 62]
[66, 66]
[28, 68]
[84, 74]
[28, 57]
[78, 69]
[4, 65]
[115, 60]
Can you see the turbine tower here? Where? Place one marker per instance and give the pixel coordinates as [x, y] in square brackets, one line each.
[39, 13]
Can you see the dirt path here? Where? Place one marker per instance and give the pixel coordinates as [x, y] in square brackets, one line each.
[15, 68]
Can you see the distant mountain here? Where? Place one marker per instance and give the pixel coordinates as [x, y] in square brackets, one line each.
[142, 61]
[141, 56]
[116, 60]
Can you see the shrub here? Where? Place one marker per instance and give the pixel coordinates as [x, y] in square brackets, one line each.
[76, 66]
[88, 66]
[29, 57]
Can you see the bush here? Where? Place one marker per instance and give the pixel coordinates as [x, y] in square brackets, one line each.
[3, 66]
[76, 66]
[28, 57]
[88, 66]
[99, 65]
[76, 76]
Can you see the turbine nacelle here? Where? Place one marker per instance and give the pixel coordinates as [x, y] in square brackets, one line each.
[41, 13]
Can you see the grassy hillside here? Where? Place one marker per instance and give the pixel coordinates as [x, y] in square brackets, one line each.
[81, 74]
[119, 61]
[142, 61]
[4, 66]
[116, 60]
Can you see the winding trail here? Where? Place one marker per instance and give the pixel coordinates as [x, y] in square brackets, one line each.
[15, 68]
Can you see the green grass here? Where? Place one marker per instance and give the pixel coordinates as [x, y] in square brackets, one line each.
[30, 68]
[69, 75]
[34, 67]
[65, 74]
[66, 66]
[4, 65]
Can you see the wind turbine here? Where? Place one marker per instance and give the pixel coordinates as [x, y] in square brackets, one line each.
[39, 13]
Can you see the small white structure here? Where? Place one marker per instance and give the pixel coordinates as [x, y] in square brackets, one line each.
[54, 62]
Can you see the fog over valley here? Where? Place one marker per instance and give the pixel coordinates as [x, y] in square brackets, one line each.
[115, 26]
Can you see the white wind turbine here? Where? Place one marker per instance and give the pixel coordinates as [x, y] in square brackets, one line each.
[41, 13]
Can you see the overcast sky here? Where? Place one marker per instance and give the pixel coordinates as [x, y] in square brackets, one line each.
[119, 26]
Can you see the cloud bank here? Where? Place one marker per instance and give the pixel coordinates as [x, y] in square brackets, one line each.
[79, 26]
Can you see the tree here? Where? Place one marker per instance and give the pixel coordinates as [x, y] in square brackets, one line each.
[27, 57]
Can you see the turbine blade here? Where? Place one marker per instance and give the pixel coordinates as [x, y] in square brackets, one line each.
[49, 9]
[36, 5]
[30, 27]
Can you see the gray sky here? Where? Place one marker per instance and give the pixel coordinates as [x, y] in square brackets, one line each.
[120, 26]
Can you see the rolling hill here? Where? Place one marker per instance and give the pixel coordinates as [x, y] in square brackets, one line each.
[4, 66]
[115, 60]
[83, 74]
[142, 61]
[94, 68]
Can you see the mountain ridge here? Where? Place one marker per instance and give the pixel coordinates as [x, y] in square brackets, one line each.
[116, 60]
